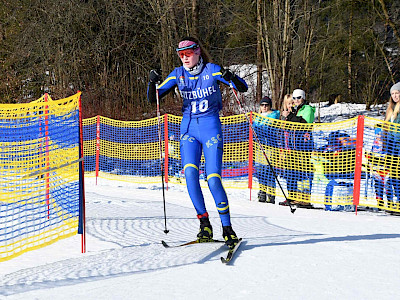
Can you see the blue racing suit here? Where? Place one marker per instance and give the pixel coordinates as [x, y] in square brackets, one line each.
[201, 131]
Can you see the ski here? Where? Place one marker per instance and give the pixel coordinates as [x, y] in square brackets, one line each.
[190, 243]
[231, 253]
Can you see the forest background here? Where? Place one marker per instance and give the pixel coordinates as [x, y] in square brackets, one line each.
[333, 49]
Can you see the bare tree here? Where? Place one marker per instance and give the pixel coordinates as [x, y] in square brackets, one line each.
[384, 14]
[259, 51]
[277, 45]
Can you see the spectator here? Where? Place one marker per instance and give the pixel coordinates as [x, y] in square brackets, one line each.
[287, 106]
[266, 108]
[299, 170]
[267, 135]
[376, 159]
[393, 146]
[301, 111]
[339, 154]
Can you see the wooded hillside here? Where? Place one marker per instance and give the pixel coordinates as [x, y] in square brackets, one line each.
[106, 48]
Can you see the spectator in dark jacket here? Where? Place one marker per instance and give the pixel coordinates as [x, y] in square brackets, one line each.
[299, 173]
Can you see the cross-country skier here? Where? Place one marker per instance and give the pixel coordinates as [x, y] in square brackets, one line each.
[198, 83]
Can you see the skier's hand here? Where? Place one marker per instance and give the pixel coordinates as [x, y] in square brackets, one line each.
[240, 85]
[155, 76]
[227, 75]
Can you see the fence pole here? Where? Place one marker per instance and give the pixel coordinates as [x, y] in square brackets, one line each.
[166, 149]
[82, 180]
[358, 163]
[250, 154]
[97, 146]
[46, 133]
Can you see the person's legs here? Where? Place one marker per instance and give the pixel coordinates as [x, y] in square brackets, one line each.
[270, 183]
[261, 176]
[379, 184]
[211, 139]
[390, 192]
[291, 184]
[191, 155]
[396, 189]
[328, 194]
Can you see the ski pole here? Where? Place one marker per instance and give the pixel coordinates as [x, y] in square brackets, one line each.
[292, 209]
[161, 159]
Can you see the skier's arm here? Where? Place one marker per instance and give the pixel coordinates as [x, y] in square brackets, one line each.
[163, 89]
[227, 76]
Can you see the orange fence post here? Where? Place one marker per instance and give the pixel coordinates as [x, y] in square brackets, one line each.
[250, 155]
[97, 146]
[358, 163]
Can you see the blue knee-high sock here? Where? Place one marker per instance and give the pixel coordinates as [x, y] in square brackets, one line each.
[220, 198]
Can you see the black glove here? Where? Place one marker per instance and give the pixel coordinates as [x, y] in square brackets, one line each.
[155, 76]
[227, 75]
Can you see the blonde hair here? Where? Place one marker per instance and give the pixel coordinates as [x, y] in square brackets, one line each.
[392, 110]
[286, 99]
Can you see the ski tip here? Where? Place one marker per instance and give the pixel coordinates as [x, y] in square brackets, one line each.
[226, 260]
[164, 244]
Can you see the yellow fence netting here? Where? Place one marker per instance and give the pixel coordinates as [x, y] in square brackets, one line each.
[39, 173]
[331, 165]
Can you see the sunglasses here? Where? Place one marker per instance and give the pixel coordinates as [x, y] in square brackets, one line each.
[264, 104]
[297, 98]
[187, 53]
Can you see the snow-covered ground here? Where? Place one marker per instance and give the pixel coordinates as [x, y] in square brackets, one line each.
[311, 254]
[343, 111]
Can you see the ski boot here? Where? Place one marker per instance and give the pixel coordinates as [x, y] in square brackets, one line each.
[284, 203]
[271, 199]
[262, 196]
[205, 233]
[229, 236]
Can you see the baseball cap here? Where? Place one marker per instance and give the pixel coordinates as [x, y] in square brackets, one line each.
[266, 100]
[299, 93]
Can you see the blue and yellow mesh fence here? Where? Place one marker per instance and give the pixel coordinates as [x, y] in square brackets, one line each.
[331, 165]
[336, 165]
[39, 173]
[114, 148]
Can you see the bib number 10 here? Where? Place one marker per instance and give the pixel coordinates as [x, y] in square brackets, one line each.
[203, 106]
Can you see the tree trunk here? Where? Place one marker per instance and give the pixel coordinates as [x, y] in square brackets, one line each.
[195, 18]
[349, 67]
[259, 53]
[389, 21]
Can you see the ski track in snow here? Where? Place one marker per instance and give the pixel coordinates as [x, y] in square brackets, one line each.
[137, 244]
[128, 228]
[308, 255]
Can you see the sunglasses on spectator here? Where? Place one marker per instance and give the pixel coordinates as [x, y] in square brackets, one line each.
[297, 98]
[187, 53]
[264, 104]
